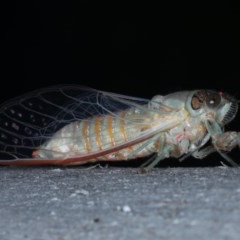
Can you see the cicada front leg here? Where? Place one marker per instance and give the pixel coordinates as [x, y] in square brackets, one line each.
[202, 153]
[221, 142]
[226, 141]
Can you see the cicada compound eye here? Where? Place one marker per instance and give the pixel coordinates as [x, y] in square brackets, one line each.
[213, 99]
[198, 99]
[210, 98]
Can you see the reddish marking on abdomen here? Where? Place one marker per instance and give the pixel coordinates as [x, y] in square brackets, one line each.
[179, 136]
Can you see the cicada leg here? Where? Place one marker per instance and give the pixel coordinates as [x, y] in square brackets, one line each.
[223, 141]
[226, 141]
[161, 154]
[204, 152]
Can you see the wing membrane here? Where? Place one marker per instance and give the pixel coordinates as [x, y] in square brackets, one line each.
[28, 121]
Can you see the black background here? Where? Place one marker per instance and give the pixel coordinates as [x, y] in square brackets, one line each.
[138, 50]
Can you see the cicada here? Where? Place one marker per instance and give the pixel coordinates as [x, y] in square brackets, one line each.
[71, 125]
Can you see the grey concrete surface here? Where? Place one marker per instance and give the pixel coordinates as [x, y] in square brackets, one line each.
[119, 203]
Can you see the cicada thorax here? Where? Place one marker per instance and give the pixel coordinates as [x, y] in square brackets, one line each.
[101, 132]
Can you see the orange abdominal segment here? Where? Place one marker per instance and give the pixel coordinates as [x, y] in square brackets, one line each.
[98, 121]
[110, 129]
[85, 131]
[123, 126]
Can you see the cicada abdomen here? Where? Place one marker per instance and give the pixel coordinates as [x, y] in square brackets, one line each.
[53, 125]
[75, 125]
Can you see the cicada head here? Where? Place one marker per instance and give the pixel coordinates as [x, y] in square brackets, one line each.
[213, 105]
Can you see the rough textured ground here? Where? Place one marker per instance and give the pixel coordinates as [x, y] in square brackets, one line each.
[119, 203]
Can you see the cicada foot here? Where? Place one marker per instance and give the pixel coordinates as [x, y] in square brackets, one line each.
[204, 152]
[226, 141]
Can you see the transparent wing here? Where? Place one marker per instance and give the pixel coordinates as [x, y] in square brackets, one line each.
[26, 122]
